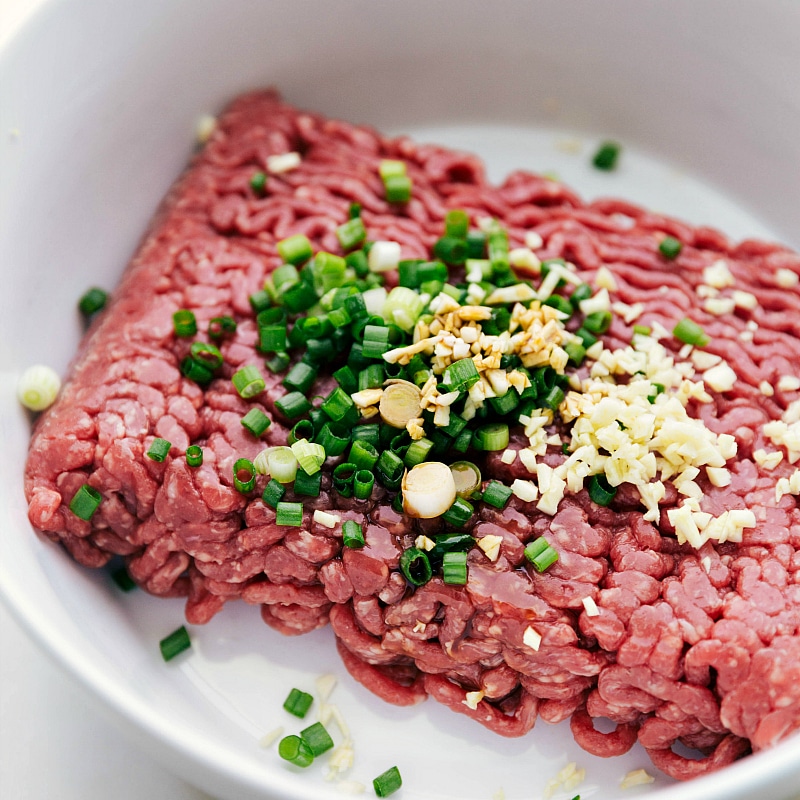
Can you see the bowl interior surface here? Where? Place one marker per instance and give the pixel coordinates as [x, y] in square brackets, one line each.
[91, 137]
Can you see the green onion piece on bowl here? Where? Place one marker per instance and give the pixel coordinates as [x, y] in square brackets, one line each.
[606, 156]
[298, 702]
[92, 301]
[387, 782]
[295, 750]
[317, 738]
[175, 643]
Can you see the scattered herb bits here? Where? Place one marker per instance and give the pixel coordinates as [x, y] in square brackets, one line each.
[298, 703]
[317, 738]
[296, 751]
[606, 156]
[92, 301]
[387, 782]
[175, 643]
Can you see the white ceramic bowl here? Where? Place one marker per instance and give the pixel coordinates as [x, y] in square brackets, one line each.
[99, 102]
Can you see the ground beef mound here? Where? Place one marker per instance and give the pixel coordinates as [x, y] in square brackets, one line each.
[695, 647]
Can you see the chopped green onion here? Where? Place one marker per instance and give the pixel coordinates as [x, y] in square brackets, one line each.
[491, 437]
[642, 330]
[541, 554]
[310, 455]
[389, 469]
[343, 476]
[363, 454]
[307, 485]
[504, 404]
[302, 430]
[298, 703]
[597, 322]
[459, 513]
[272, 338]
[293, 405]
[85, 502]
[337, 404]
[159, 450]
[299, 297]
[351, 234]
[600, 491]
[196, 371]
[554, 398]
[334, 438]
[689, 332]
[123, 580]
[583, 291]
[273, 493]
[403, 307]
[352, 534]
[295, 249]
[221, 326]
[371, 377]
[496, 494]
[415, 566]
[398, 188]
[376, 341]
[244, 475]
[347, 379]
[456, 223]
[417, 452]
[317, 738]
[387, 782]
[260, 300]
[450, 249]
[466, 476]
[354, 210]
[670, 247]
[194, 455]
[462, 442]
[92, 301]
[278, 362]
[248, 382]
[175, 643]
[560, 304]
[575, 352]
[207, 354]
[256, 421]
[289, 514]
[606, 156]
[389, 167]
[587, 338]
[296, 751]
[184, 322]
[460, 376]
[454, 568]
[258, 183]
[300, 377]
[363, 482]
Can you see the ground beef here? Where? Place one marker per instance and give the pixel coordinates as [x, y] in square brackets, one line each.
[698, 647]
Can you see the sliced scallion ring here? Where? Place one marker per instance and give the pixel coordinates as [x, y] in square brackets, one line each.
[400, 404]
[428, 490]
[467, 478]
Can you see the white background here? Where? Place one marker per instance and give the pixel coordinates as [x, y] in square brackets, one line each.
[54, 743]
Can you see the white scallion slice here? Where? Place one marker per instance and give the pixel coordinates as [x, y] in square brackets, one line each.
[38, 387]
[428, 490]
[400, 403]
[282, 464]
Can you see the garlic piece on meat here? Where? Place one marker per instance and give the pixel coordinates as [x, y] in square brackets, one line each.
[428, 490]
